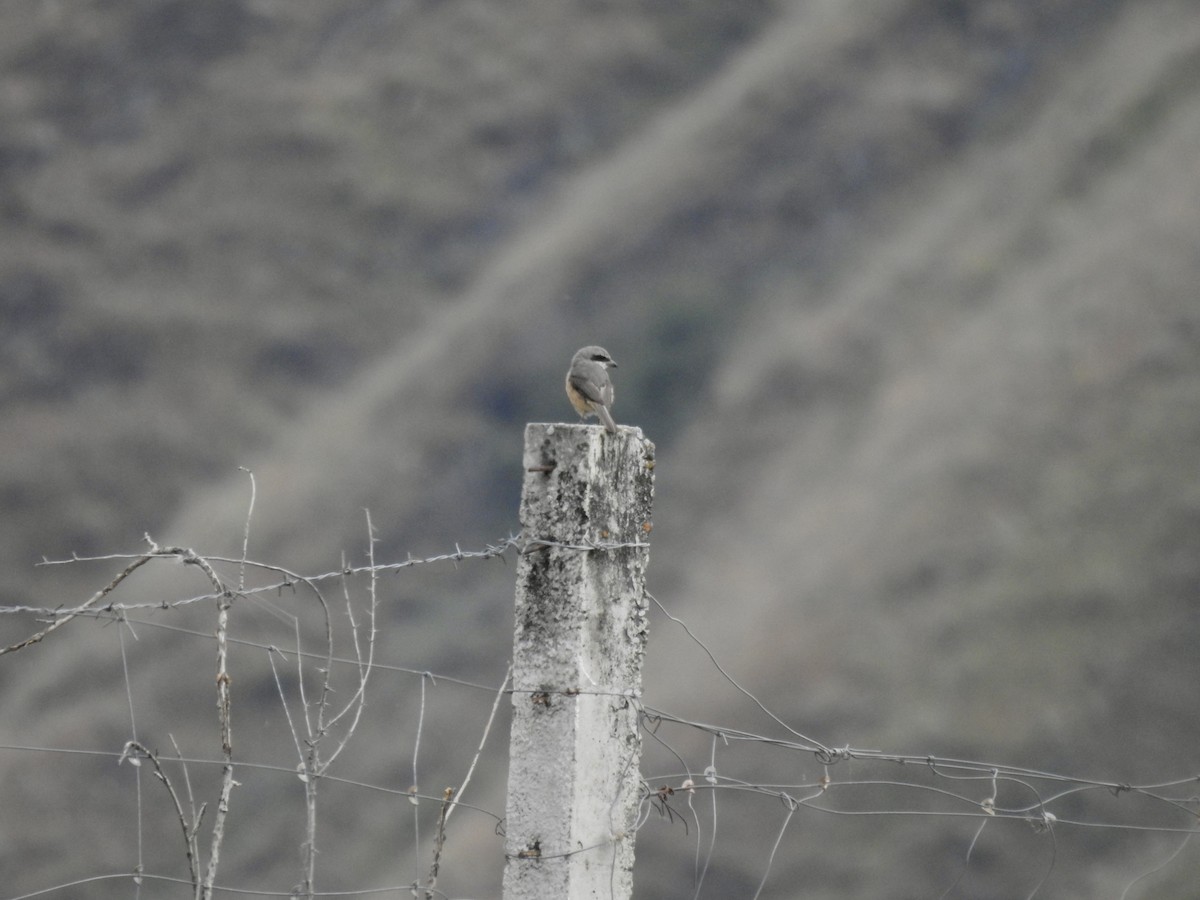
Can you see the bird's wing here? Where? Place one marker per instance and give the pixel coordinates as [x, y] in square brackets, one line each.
[591, 385]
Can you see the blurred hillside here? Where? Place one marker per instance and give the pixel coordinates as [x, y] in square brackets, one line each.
[905, 292]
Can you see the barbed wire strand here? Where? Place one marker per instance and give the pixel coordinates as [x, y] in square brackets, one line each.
[63, 617]
[224, 889]
[289, 578]
[288, 772]
[816, 745]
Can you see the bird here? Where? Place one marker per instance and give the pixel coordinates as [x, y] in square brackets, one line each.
[588, 386]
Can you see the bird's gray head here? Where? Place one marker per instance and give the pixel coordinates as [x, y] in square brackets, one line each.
[595, 354]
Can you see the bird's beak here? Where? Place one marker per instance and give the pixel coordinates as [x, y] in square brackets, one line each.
[611, 364]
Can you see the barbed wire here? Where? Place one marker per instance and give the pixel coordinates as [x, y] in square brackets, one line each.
[936, 787]
[289, 579]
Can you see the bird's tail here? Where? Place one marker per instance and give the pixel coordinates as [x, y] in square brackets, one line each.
[606, 417]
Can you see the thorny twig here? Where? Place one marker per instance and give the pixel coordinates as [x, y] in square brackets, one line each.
[448, 807]
[134, 752]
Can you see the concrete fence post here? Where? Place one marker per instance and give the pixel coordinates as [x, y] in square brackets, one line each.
[573, 784]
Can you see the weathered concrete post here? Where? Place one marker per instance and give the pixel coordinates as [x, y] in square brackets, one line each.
[573, 783]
